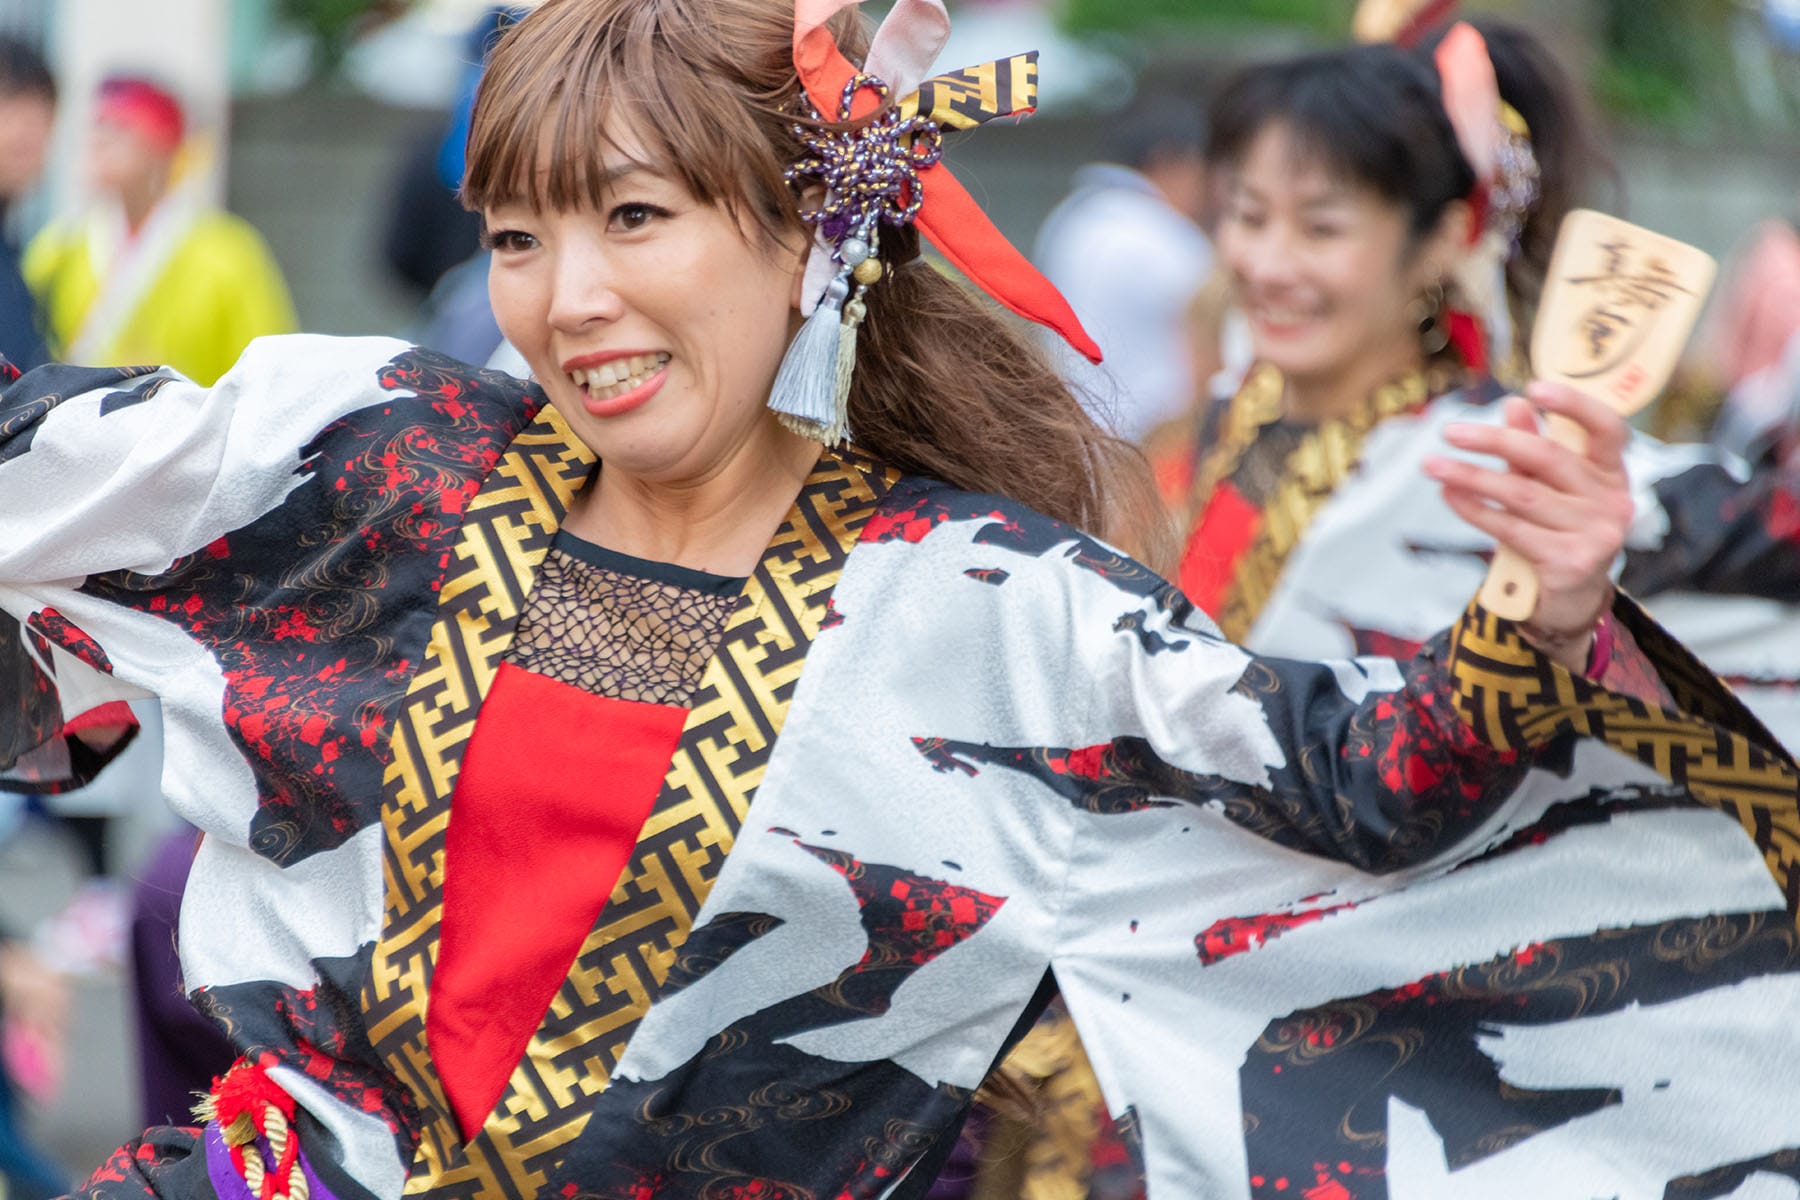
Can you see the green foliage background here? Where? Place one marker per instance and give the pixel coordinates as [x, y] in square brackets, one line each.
[1665, 60]
[1664, 63]
[332, 22]
[1146, 17]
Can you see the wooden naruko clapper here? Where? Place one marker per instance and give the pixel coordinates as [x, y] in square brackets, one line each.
[1619, 303]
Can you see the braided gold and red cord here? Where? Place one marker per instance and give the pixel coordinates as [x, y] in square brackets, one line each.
[249, 1106]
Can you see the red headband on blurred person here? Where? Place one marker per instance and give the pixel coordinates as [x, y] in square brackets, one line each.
[145, 107]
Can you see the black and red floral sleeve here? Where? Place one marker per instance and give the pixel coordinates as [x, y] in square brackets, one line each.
[1718, 532]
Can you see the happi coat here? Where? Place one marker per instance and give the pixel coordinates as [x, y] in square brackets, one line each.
[191, 288]
[1463, 925]
[1339, 544]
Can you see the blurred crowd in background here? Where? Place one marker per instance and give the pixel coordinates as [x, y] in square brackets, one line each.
[178, 178]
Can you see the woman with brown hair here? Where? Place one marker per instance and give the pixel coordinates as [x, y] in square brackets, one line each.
[623, 786]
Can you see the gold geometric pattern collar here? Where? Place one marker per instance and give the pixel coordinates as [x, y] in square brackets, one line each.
[1309, 477]
[712, 779]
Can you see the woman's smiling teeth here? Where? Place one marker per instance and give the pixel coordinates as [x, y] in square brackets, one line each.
[619, 376]
[1283, 315]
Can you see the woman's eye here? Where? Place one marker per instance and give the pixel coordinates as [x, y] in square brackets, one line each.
[504, 241]
[628, 217]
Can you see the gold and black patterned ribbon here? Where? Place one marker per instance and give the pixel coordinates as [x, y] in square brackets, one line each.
[503, 540]
[713, 775]
[976, 95]
[1514, 698]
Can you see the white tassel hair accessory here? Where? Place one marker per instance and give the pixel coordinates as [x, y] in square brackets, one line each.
[871, 140]
[811, 395]
[870, 176]
[807, 395]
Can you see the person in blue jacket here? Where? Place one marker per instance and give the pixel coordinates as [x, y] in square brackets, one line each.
[27, 112]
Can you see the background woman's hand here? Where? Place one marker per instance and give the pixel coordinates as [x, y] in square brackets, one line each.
[1564, 511]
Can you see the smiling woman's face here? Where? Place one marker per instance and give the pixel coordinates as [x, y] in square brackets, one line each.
[655, 322]
[1324, 268]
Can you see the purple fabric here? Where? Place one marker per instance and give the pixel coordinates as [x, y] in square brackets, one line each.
[229, 1185]
[226, 1181]
[180, 1051]
[956, 1180]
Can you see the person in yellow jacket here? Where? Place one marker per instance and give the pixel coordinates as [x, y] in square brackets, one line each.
[153, 274]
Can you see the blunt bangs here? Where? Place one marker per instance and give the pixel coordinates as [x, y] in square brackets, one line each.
[1369, 116]
[575, 76]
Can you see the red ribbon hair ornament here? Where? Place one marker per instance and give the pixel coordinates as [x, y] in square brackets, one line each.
[948, 216]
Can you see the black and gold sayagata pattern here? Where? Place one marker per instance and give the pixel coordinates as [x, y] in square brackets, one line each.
[975, 95]
[504, 537]
[1256, 404]
[1312, 475]
[736, 717]
[1514, 698]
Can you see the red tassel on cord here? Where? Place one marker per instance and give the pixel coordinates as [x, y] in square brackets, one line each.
[1467, 338]
[247, 1103]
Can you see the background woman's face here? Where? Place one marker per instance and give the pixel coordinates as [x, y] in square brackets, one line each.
[655, 323]
[1322, 266]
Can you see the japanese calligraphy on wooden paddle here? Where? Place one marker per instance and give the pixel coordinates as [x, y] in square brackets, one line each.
[1619, 303]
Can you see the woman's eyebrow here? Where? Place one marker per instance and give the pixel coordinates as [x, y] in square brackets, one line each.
[612, 175]
[1331, 197]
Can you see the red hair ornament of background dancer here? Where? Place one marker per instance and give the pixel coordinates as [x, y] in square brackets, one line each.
[880, 163]
[1496, 142]
[1402, 22]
